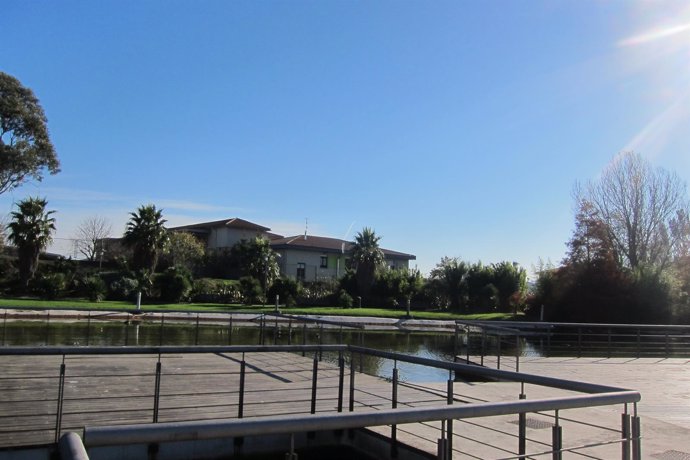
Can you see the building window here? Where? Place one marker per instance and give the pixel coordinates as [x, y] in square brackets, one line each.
[301, 271]
[324, 261]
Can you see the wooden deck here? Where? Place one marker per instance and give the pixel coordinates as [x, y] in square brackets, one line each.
[119, 389]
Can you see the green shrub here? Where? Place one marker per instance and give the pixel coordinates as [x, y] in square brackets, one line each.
[174, 285]
[288, 289]
[344, 300]
[213, 290]
[251, 290]
[93, 288]
[50, 286]
[123, 288]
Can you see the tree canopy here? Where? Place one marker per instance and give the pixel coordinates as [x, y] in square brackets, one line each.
[367, 257]
[637, 202]
[31, 232]
[147, 236]
[25, 146]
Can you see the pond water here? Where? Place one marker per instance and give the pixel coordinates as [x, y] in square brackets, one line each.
[435, 345]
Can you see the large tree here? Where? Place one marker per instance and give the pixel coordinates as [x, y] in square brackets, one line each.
[31, 232]
[25, 146]
[637, 202]
[147, 236]
[184, 250]
[450, 275]
[90, 236]
[257, 259]
[366, 257]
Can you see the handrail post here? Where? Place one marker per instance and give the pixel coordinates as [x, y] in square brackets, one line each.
[522, 424]
[320, 342]
[60, 400]
[636, 436]
[4, 330]
[160, 334]
[196, 331]
[557, 440]
[352, 382]
[341, 380]
[47, 338]
[498, 361]
[483, 345]
[518, 351]
[88, 329]
[230, 330]
[608, 348]
[625, 434]
[579, 342]
[290, 332]
[304, 337]
[394, 405]
[455, 340]
[243, 373]
[467, 345]
[449, 423]
[157, 390]
[314, 378]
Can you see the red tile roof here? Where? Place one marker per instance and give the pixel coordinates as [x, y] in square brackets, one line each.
[325, 244]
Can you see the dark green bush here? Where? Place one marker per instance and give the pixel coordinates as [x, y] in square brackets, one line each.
[288, 289]
[251, 290]
[123, 288]
[174, 285]
[50, 286]
[93, 288]
[344, 300]
[213, 290]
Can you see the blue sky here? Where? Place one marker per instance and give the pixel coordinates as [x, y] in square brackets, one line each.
[451, 128]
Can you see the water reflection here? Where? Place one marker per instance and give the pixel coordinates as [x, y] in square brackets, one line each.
[88, 332]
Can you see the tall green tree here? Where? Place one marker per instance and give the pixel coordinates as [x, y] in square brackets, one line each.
[146, 236]
[184, 250]
[366, 257]
[450, 276]
[257, 259]
[25, 146]
[511, 283]
[31, 232]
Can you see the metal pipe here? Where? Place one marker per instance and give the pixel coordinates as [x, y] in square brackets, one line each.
[341, 380]
[71, 447]
[184, 431]
[60, 400]
[240, 403]
[352, 383]
[492, 373]
[157, 391]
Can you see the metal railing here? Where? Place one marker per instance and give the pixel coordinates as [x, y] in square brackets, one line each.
[331, 400]
[501, 340]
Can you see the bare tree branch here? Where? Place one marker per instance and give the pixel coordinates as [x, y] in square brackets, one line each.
[90, 234]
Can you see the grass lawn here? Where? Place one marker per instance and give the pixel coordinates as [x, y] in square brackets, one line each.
[81, 304]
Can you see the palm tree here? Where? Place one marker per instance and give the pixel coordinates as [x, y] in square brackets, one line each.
[147, 237]
[367, 257]
[31, 232]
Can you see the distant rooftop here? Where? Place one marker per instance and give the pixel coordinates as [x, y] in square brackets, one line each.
[327, 244]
